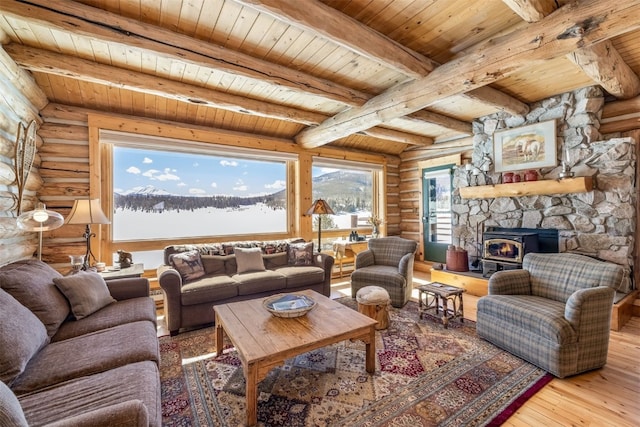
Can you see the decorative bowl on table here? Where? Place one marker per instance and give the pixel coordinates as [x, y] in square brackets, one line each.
[288, 305]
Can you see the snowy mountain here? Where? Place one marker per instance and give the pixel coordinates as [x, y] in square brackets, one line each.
[147, 190]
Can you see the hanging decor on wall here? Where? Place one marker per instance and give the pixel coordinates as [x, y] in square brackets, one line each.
[526, 147]
[25, 151]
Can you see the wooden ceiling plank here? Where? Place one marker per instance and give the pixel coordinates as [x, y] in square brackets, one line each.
[601, 62]
[142, 36]
[321, 19]
[345, 31]
[39, 60]
[49, 62]
[79, 19]
[574, 25]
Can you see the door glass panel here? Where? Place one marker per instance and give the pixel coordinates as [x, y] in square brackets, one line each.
[437, 188]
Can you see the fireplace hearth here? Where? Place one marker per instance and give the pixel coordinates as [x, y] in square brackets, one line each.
[504, 248]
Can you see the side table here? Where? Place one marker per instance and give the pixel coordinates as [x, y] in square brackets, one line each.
[135, 270]
[437, 296]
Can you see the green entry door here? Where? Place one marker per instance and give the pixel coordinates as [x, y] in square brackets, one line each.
[436, 197]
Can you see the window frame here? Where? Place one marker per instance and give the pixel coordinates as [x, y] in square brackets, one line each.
[378, 205]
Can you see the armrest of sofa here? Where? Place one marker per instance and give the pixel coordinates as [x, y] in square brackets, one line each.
[170, 282]
[130, 413]
[510, 282]
[588, 309]
[130, 287]
[364, 259]
[325, 261]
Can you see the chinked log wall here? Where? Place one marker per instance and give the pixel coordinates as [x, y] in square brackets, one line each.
[20, 101]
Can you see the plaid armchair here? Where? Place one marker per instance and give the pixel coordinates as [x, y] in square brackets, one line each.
[387, 263]
[554, 313]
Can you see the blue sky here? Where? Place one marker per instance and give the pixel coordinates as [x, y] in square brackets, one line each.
[196, 174]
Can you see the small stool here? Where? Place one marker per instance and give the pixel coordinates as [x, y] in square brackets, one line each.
[437, 296]
[374, 301]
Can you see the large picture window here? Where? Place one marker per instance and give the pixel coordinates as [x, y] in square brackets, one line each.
[161, 194]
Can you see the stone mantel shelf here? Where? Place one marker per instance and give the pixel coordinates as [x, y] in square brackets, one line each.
[580, 184]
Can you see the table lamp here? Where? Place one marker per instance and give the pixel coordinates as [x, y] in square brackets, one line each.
[40, 219]
[87, 211]
[320, 207]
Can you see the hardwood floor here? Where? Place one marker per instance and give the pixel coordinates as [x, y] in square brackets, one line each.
[605, 397]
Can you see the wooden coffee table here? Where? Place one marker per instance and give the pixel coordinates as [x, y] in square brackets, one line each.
[264, 341]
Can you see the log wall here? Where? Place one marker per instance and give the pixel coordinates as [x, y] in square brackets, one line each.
[20, 102]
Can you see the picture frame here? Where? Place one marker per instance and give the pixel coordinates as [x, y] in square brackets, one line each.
[527, 147]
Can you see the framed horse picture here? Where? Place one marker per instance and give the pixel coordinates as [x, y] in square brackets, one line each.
[526, 147]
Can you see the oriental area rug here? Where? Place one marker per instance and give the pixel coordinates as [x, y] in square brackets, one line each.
[425, 376]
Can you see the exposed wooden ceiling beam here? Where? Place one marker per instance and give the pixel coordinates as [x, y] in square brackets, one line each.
[601, 62]
[98, 24]
[345, 31]
[578, 24]
[45, 61]
[604, 65]
[532, 10]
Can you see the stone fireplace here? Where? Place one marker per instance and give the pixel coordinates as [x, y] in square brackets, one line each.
[599, 223]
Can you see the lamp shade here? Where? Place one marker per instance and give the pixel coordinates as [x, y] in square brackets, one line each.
[320, 207]
[40, 219]
[87, 211]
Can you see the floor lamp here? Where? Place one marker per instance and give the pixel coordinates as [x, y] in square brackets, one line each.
[40, 219]
[320, 207]
[87, 211]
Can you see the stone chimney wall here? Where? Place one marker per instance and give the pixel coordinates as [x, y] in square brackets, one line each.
[599, 223]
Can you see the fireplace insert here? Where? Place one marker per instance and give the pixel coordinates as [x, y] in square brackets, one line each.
[504, 248]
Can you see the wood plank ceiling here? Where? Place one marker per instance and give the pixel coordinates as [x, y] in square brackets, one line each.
[383, 76]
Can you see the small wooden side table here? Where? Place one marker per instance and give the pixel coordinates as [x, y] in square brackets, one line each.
[136, 270]
[437, 296]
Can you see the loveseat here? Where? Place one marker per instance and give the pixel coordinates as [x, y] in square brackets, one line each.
[76, 350]
[555, 312]
[196, 277]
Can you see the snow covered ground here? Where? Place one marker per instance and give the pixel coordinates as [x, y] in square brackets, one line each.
[132, 225]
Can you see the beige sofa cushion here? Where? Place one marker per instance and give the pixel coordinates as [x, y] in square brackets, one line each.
[22, 334]
[31, 283]
[249, 260]
[86, 292]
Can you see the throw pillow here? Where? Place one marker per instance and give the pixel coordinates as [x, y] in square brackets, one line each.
[10, 410]
[86, 292]
[301, 253]
[249, 259]
[188, 264]
[31, 283]
[22, 334]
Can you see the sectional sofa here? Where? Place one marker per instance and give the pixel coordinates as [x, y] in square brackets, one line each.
[196, 277]
[76, 350]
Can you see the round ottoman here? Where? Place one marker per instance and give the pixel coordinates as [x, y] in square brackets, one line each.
[374, 301]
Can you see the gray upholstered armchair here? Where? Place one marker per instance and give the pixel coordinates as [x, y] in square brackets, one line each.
[554, 313]
[387, 263]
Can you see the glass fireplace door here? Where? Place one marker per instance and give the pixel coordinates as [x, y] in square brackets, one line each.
[436, 220]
